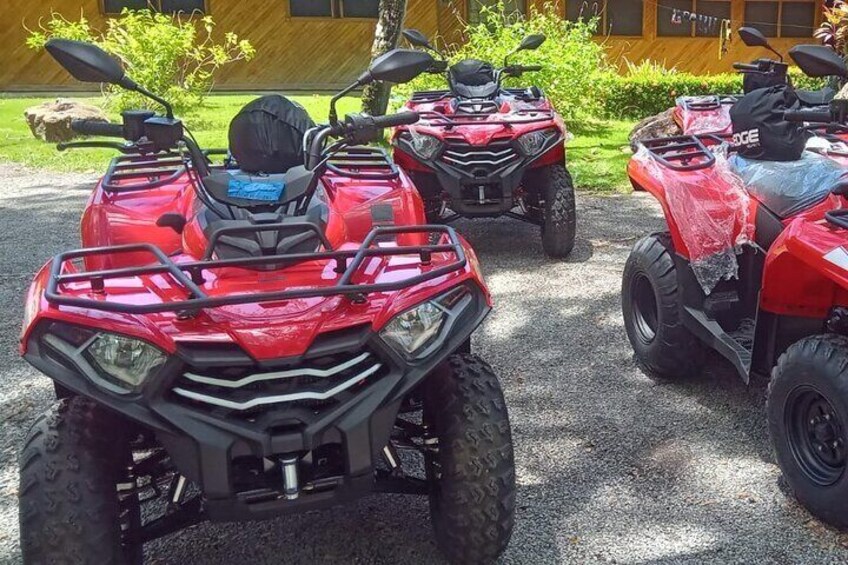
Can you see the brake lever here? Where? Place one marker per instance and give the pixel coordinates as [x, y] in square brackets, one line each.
[122, 147]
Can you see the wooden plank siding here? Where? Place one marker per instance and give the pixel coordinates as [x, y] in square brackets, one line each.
[324, 53]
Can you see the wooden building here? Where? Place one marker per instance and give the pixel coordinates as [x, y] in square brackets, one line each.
[321, 44]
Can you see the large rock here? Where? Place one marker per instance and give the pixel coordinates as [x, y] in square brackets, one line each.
[661, 125]
[51, 121]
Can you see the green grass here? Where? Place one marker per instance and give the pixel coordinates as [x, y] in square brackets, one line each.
[597, 156]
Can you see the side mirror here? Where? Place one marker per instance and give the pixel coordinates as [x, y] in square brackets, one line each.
[752, 37]
[87, 62]
[397, 66]
[819, 61]
[416, 38]
[531, 42]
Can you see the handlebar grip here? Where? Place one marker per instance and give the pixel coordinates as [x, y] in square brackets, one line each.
[94, 127]
[531, 68]
[393, 120]
[819, 116]
[745, 67]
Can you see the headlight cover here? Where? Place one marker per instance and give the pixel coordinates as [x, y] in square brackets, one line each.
[533, 142]
[424, 145]
[416, 332]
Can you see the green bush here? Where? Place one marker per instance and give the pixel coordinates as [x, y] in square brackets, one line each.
[572, 62]
[172, 56]
[648, 88]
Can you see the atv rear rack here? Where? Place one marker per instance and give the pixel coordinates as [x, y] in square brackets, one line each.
[709, 103]
[529, 115]
[189, 275]
[683, 152]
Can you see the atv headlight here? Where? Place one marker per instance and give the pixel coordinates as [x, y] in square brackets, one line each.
[423, 145]
[417, 331]
[533, 142]
[129, 361]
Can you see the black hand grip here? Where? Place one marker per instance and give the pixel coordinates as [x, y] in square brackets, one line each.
[399, 119]
[746, 67]
[93, 127]
[818, 116]
[530, 68]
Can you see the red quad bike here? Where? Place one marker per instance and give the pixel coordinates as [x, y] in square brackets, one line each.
[233, 344]
[774, 248]
[485, 151]
[711, 114]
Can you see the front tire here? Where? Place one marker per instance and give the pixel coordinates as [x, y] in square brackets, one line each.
[471, 469]
[650, 305]
[69, 508]
[807, 407]
[560, 213]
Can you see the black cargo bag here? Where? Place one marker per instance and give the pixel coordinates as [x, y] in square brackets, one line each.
[266, 136]
[759, 130]
[754, 81]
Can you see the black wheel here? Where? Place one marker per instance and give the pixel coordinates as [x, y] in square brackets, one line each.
[72, 464]
[470, 463]
[807, 408]
[650, 306]
[560, 215]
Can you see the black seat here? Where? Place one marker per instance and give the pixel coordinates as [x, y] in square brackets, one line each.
[813, 98]
[789, 187]
[472, 78]
[245, 190]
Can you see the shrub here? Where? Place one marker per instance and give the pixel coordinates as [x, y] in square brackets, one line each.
[572, 62]
[172, 56]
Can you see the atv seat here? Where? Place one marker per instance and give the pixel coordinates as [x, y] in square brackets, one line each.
[249, 190]
[789, 187]
[813, 98]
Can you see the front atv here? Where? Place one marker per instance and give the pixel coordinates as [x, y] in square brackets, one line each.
[754, 267]
[291, 333]
[484, 151]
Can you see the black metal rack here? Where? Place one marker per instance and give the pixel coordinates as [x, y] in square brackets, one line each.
[362, 162]
[683, 152]
[133, 172]
[189, 275]
[429, 95]
[708, 103]
[529, 115]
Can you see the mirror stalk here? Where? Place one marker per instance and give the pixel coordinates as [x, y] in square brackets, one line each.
[334, 116]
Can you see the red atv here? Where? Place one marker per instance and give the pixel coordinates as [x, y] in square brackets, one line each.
[485, 151]
[235, 343]
[754, 266]
[711, 114]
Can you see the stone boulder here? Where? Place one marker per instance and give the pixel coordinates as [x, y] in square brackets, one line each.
[51, 121]
[661, 125]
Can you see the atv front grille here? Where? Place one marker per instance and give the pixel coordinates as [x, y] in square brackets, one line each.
[249, 392]
[480, 160]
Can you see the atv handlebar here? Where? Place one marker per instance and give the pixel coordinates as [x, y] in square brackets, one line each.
[817, 116]
[394, 120]
[94, 127]
[518, 70]
[746, 67]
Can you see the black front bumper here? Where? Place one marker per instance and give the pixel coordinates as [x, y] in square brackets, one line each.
[206, 445]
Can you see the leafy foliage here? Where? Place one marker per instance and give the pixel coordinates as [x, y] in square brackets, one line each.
[833, 31]
[572, 62]
[172, 56]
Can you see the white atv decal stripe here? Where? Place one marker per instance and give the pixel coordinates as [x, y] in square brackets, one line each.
[838, 257]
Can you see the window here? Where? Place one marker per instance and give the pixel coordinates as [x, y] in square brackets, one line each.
[617, 17]
[334, 8]
[781, 19]
[510, 7]
[713, 11]
[167, 6]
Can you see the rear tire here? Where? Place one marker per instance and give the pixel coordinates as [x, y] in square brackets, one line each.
[807, 407]
[650, 305]
[69, 509]
[560, 214]
[472, 475]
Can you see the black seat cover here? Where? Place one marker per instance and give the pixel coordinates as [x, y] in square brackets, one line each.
[472, 78]
[789, 187]
[813, 98]
[266, 136]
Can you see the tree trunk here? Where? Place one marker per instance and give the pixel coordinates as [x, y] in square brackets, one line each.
[375, 96]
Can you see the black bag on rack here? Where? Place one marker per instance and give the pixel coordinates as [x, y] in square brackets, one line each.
[266, 136]
[759, 130]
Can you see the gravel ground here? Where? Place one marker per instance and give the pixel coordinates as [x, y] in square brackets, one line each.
[613, 467]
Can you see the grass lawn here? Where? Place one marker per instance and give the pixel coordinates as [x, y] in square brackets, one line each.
[595, 155]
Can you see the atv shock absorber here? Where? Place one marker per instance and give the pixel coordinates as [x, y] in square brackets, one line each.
[290, 482]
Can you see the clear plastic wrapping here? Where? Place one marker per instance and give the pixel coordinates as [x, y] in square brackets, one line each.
[711, 120]
[788, 187]
[710, 208]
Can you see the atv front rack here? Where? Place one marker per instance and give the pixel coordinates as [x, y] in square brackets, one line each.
[683, 152]
[189, 275]
[362, 162]
[134, 172]
[526, 115]
[709, 103]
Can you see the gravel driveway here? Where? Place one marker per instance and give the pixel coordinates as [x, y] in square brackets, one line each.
[612, 466]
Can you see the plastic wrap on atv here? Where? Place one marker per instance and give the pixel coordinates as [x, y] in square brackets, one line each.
[706, 200]
[704, 114]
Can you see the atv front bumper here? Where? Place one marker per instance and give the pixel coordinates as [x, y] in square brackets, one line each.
[227, 453]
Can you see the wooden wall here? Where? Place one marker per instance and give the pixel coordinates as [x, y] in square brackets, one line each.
[324, 53]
